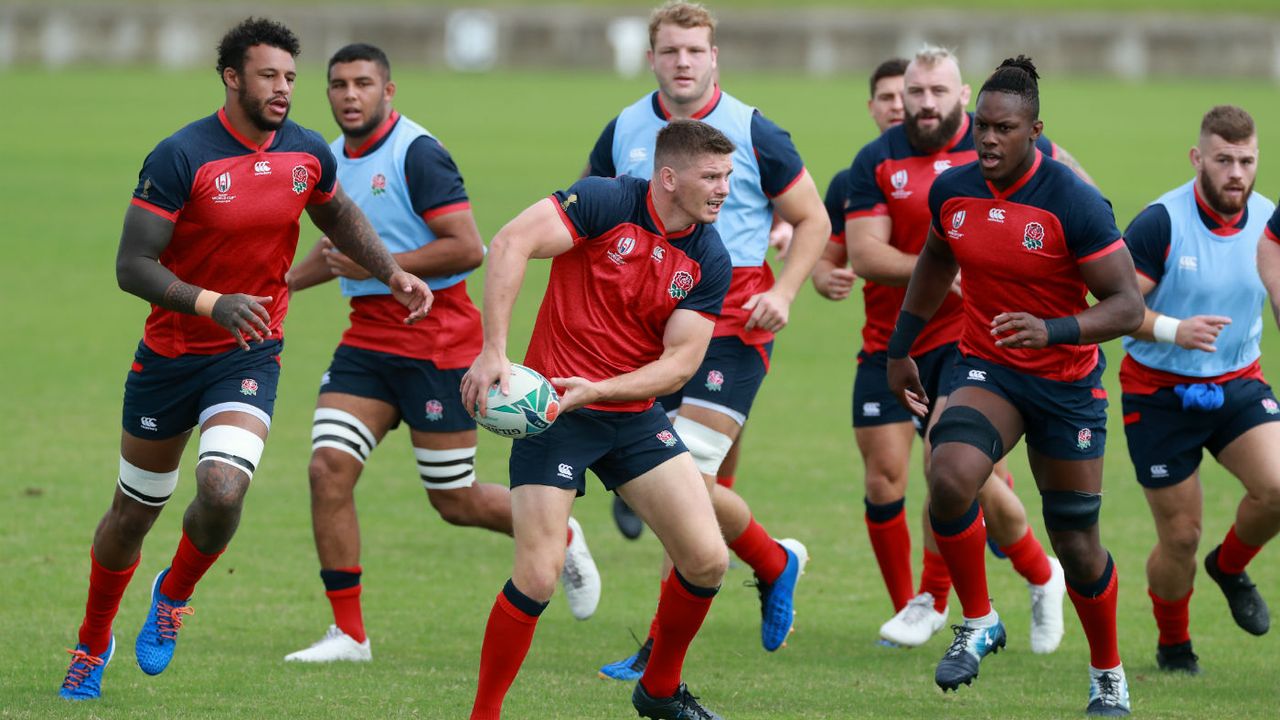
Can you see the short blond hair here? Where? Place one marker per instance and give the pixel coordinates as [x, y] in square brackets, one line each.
[930, 55]
[683, 14]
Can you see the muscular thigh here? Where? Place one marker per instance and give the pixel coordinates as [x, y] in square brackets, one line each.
[728, 379]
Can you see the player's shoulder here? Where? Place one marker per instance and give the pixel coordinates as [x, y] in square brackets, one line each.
[191, 139]
[1065, 186]
[876, 151]
[292, 137]
[959, 180]
[707, 248]
[621, 197]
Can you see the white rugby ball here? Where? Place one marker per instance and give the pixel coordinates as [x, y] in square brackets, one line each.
[529, 408]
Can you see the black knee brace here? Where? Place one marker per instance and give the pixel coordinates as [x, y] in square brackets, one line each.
[1070, 509]
[965, 425]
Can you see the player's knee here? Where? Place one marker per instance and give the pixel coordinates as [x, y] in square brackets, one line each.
[455, 507]
[538, 580]
[951, 491]
[1268, 499]
[1070, 510]
[150, 489]
[343, 432]
[1081, 554]
[129, 521]
[446, 470]
[965, 425]
[705, 566]
[707, 446]
[1182, 540]
[331, 475]
[884, 482]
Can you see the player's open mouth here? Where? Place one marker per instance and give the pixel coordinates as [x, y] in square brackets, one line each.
[280, 105]
[351, 114]
[989, 160]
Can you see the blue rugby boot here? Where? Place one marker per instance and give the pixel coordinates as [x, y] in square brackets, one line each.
[158, 637]
[629, 669]
[1108, 693]
[84, 677]
[777, 599]
[960, 663]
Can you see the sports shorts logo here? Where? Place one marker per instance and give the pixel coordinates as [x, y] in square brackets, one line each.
[681, 284]
[899, 181]
[941, 166]
[434, 409]
[1159, 471]
[1033, 236]
[1270, 406]
[325, 378]
[978, 375]
[995, 215]
[300, 177]
[149, 423]
[667, 438]
[378, 184]
[565, 471]
[569, 201]
[715, 381]
[262, 167]
[871, 409]
[1084, 438]
[248, 386]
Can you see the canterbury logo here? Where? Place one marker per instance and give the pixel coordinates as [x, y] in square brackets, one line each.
[262, 167]
[149, 423]
[995, 215]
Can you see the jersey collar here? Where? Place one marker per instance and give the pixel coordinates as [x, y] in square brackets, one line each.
[660, 109]
[375, 140]
[657, 221]
[226, 123]
[1214, 221]
[1021, 182]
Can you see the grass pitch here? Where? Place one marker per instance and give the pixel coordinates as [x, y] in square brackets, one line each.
[74, 146]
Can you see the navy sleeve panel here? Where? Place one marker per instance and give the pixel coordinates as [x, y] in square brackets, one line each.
[1047, 147]
[717, 271]
[431, 176]
[780, 163]
[836, 200]
[1273, 225]
[314, 144]
[864, 192]
[595, 205]
[166, 177]
[1149, 237]
[601, 161]
[1088, 220]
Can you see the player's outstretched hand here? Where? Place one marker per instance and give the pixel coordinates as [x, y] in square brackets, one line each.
[575, 392]
[489, 367]
[243, 316]
[1199, 332]
[1019, 330]
[780, 237]
[837, 284]
[904, 382]
[769, 310]
[413, 293]
[340, 264]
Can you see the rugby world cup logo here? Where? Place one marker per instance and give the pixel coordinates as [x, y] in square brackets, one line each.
[223, 182]
[715, 381]
[300, 177]
[681, 284]
[378, 184]
[434, 410]
[898, 179]
[1084, 438]
[957, 220]
[626, 245]
[248, 386]
[667, 438]
[1033, 236]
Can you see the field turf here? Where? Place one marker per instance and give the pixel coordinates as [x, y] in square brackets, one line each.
[74, 143]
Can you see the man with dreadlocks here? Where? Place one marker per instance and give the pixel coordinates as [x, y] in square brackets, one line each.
[1029, 239]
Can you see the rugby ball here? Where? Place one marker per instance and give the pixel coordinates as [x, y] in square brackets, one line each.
[530, 407]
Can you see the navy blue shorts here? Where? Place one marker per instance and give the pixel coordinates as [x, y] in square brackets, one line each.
[1062, 420]
[1166, 442]
[164, 397]
[873, 402]
[429, 399]
[616, 446]
[728, 379]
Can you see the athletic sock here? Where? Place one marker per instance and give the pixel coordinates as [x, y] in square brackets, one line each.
[935, 579]
[1028, 558]
[962, 543]
[765, 556]
[1173, 618]
[1096, 605]
[1234, 554]
[342, 587]
[507, 637]
[725, 481]
[681, 610]
[106, 587]
[188, 566]
[653, 626]
[891, 544]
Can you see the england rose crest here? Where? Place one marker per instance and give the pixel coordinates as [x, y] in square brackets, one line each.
[248, 386]
[300, 177]
[667, 438]
[1270, 406]
[378, 184]
[1084, 438]
[1033, 236]
[715, 381]
[435, 410]
[681, 284]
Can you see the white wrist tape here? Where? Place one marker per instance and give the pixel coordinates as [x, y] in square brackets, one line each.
[1166, 328]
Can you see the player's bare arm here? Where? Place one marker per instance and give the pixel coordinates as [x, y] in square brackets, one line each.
[832, 277]
[312, 269]
[931, 280]
[139, 272]
[1197, 332]
[1269, 271]
[346, 226]
[1119, 310]
[457, 248]
[1070, 161]
[537, 232]
[871, 255]
[684, 343]
[801, 206]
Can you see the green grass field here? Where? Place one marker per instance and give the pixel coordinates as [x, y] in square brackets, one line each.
[74, 146]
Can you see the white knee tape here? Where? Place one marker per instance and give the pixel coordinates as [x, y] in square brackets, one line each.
[234, 446]
[148, 488]
[340, 430]
[707, 446]
[446, 469]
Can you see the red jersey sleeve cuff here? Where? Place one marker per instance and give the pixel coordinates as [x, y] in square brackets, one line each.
[433, 213]
[319, 197]
[155, 209]
[877, 210]
[794, 180]
[568, 223]
[1270, 235]
[1119, 243]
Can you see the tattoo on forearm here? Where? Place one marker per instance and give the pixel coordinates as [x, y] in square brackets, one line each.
[355, 237]
[181, 297]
